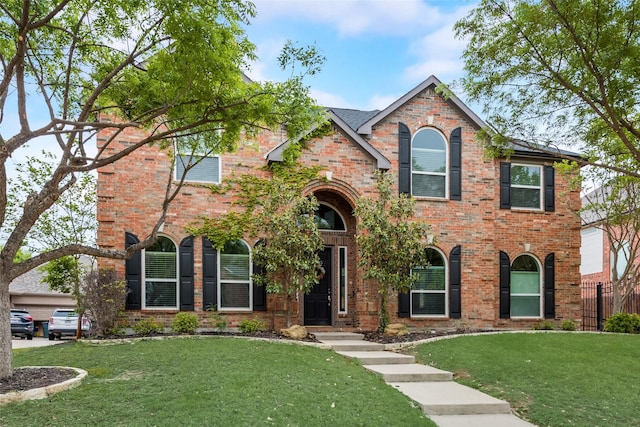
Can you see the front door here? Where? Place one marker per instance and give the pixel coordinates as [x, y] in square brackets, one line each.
[317, 303]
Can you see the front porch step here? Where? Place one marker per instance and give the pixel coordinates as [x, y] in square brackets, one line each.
[451, 398]
[351, 345]
[412, 372]
[337, 336]
[378, 357]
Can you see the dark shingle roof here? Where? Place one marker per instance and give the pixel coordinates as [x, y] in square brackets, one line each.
[354, 118]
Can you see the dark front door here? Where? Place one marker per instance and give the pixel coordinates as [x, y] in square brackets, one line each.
[317, 303]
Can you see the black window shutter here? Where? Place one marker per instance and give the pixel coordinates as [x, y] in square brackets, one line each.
[549, 287]
[404, 304]
[209, 275]
[186, 274]
[455, 164]
[505, 185]
[259, 292]
[455, 273]
[133, 274]
[404, 158]
[505, 286]
[549, 189]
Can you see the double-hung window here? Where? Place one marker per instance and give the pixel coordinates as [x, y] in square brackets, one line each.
[526, 298]
[526, 186]
[235, 290]
[429, 164]
[196, 161]
[429, 294]
[161, 275]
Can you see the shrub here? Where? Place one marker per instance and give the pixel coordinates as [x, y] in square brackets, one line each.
[251, 326]
[147, 326]
[218, 320]
[544, 325]
[185, 323]
[626, 323]
[568, 325]
[104, 297]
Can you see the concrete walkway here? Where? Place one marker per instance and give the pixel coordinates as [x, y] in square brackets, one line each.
[446, 402]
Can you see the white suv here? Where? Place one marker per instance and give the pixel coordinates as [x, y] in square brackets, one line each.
[64, 322]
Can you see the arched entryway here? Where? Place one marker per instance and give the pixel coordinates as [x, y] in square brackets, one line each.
[332, 301]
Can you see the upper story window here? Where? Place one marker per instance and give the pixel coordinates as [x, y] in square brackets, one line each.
[160, 275]
[429, 164]
[527, 186]
[198, 162]
[235, 287]
[429, 294]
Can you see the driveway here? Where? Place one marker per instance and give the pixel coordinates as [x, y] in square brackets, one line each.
[35, 342]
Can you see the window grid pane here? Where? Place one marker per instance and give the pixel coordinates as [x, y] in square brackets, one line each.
[525, 198]
[234, 295]
[160, 265]
[428, 303]
[234, 267]
[428, 185]
[342, 284]
[161, 294]
[525, 306]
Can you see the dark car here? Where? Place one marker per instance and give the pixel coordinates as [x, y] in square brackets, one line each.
[21, 323]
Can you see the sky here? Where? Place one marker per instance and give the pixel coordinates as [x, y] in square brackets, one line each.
[376, 50]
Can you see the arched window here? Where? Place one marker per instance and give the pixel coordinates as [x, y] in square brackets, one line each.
[235, 277]
[429, 164]
[429, 294]
[161, 275]
[327, 218]
[526, 284]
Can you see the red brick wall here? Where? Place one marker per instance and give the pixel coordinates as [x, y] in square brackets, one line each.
[130, 193]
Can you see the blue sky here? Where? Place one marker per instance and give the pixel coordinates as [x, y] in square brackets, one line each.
[376, 50]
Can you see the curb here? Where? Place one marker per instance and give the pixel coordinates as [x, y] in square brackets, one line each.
[43, 392]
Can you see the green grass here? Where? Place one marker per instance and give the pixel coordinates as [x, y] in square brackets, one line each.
[551, 379]
[210, 381]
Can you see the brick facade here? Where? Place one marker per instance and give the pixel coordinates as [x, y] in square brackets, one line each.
[130, 191]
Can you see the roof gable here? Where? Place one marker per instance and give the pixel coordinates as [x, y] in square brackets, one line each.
[366, 127]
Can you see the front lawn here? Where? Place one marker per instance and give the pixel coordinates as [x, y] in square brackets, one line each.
[551, 379]
[210, 381]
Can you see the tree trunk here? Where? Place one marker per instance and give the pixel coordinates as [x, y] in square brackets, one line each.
[617, 298]
[288, 310]
[6, 355]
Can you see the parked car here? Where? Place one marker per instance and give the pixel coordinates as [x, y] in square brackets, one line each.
[21, 323]
[64, 322]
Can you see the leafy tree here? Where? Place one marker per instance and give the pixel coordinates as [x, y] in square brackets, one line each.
[613, 208]
[104, 297]
[275, 210]
[172, 69]
[390, 243]
[554, 73]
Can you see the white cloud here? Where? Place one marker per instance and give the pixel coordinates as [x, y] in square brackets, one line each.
[327, 99]
[355, 17]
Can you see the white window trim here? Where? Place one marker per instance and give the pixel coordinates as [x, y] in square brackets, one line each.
[346, 279]
[445, 173]
[540, 293]
[249, 284]
[446, 292]
[540, 187]
[144, 280]
[217, 180]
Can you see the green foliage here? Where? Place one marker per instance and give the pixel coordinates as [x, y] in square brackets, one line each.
[185, 323]
[104, 297]
[63, 274]
[544, 325]
[390, 242]
[147, 326]
[219, 321]
[626, 323]
[568, 325]
[556, 74]
[251, 326]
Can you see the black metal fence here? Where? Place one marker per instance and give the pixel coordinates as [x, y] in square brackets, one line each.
[597, 304]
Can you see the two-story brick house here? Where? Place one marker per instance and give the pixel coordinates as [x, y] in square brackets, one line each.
[506, 249]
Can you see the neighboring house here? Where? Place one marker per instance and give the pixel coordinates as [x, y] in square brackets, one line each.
[29, 292]
[506, 247]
